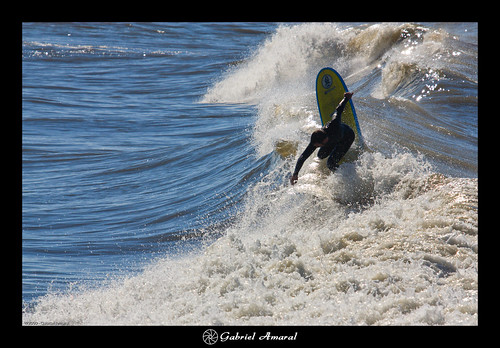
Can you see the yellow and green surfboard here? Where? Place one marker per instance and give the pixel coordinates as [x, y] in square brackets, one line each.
[330, 89]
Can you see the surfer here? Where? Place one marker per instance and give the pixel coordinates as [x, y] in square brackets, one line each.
[334, 139]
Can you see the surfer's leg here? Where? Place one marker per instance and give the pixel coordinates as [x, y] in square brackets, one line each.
[341, 148]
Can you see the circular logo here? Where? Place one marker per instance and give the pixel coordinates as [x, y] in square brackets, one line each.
[326, 81]
[210, 337]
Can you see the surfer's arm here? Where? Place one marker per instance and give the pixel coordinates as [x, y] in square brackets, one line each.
[334, 125]
[300, 162]
[343, 103]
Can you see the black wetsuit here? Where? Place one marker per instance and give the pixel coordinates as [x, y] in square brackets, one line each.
[340, 139]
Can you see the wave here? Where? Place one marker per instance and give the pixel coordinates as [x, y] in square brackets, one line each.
[395, 55]
[407, 79]
[35, 49]
[383, 241]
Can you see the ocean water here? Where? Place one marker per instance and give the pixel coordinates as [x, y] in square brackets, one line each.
[155, 166]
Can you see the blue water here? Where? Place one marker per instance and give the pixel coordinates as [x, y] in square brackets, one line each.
[146, 142]
[118, 156]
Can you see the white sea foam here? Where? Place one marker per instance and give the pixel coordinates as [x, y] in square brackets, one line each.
[383, 241]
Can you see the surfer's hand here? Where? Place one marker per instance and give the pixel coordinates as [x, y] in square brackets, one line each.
[293, 179]
[348, 95]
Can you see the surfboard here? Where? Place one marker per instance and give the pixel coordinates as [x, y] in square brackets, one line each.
[330, 89]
